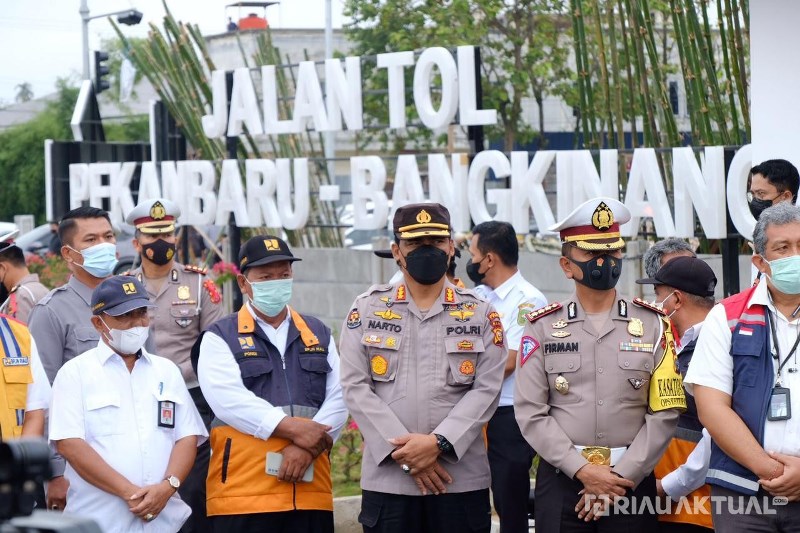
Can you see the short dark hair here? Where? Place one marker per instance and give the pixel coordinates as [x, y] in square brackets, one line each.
[780, 173]
[499, 238]
[704, 302]
[67, 226]
[14, 255]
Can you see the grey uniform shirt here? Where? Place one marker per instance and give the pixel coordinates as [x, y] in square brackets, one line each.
[25, 295]
[408, 372]
[60, 323]
[184, 308]
[609, 377]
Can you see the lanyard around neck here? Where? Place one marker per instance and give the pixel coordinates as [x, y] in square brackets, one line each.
[777, 355]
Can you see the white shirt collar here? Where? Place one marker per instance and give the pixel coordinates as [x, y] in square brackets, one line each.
[104, 352]
[504, 288]
[689, 335]
[261, 322]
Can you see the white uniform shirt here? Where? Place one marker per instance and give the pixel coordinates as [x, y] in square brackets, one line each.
[512, 299]
[221, 382]
[38, 391]
[712, 366]
[96, 398]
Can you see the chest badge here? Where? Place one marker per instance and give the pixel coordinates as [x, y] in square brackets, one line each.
[637, 383]
[561, 334]
[183, 292]
[388, 301]
[467, 367]
[387, 315]
[183, 322]
[562, 385]
[635, 327]
[561, 324]
[461, 316]
[373, 339]
[391, 342]
[379, 365]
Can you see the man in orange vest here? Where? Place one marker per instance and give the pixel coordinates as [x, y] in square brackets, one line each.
[684, 288]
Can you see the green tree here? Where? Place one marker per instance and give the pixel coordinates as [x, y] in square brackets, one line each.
[525, 49]
[24, 92]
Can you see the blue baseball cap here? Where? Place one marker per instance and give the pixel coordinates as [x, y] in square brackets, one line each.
[118, 295]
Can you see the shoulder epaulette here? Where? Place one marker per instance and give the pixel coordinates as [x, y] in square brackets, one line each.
[381, 287]
[533, 316]
[647, 305]
[195, 269]
[465, 290]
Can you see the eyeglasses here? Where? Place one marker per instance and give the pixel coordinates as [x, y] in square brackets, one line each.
[750, 197]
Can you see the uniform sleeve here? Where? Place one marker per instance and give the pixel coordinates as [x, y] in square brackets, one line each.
[691, 475]
[25, 304]
[39, 391]
[187, 419]
[377, 422]
[650, 442]
[532, 411]
[467, 418]
[66, 408]
[221, 382]
[333, 411]
[46, 331]
[712, 364]
[210, 312]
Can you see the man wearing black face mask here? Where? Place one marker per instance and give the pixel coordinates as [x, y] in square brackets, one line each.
[771, 182]
[422, 366]
[186, 303]
[597, 392]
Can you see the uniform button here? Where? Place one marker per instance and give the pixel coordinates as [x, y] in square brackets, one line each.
[558, 470]
[571, 365]
[600, 370]
[600, 435]
[647, 365]
[550, 368]
[627, 364]
[599, 402]
[599, 341]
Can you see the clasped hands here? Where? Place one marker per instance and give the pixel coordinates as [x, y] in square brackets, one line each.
[421, 453]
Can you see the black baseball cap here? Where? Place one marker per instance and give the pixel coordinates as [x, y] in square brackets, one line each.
[687, 274]
[263, 250]
[118, 295]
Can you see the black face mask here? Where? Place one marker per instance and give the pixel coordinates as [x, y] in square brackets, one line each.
[159, 252]
[601, 273]
[472, 271]
[758, 206]
[427, 264]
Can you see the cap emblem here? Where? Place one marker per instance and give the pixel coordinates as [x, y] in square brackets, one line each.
[129, 288]
[157, 212]
[423, 217]
[271, 244]
[603, 217]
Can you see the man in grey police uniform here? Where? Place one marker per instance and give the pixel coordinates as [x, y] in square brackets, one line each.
[186, 303]
[422, 365]
[597, 393]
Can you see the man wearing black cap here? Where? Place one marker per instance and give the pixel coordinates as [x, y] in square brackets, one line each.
[124, 421]
[271, 376]
[422, 367]
[684, 289]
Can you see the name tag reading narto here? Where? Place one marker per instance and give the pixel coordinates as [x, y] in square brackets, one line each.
[166, 414]
[780, 404]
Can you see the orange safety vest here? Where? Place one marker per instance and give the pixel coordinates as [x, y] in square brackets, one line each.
[691, 511]
[15, 352]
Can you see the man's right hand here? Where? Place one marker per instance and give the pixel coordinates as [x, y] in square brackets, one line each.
[57, 493]
[306, 434]
[434, 479]
[599, 480]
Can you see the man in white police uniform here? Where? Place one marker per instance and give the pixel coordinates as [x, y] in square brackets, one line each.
[124, 421]
[493, 269]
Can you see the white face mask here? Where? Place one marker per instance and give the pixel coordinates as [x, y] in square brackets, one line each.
[127, 341]
[660, 304]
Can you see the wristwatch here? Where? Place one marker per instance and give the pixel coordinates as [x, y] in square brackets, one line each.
[173, 481]
[443, 444]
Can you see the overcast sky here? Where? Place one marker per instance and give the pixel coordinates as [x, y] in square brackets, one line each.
[40, 40]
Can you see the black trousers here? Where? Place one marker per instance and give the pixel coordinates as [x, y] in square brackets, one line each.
[283, 522]
[557, 496]
[510, 458]
[193, 488]
[679, 527]
[460, 512]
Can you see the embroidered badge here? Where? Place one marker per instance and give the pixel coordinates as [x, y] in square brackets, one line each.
[467, 367]
[561, 334]
[449, 295]
[387, 315]
[391, 342]
[527, 346]
[183, 292]
[466, 345]
[461, 316]
[400, 295]
[246, 343]
[372, 339]
[379, 365]
[15, 361]
[354, 319]
[637, 383]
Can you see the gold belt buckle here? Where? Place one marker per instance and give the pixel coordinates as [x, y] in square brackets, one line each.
[597, 455]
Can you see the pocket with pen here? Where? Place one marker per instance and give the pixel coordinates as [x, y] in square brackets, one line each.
[274, 461]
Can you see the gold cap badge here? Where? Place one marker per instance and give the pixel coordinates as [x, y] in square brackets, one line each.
[423, 217]
[603, 217]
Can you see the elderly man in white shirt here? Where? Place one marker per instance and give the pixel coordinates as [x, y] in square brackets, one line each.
[493, 268]
[124, 421]
[742, 377]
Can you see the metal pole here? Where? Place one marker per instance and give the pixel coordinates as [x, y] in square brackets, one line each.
[330, 136]
[730, 246]
[84, 11]
[234, 233]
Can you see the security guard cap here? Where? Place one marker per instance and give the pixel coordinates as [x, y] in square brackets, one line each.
[263, 250]
[154, 217]
[118, 295]
[594, 225]
[414, 221]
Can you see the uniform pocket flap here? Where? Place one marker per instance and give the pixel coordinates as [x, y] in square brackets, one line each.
[183, 311]
[746, 341]
[168, 396]
[635, 361]
[17, 370]
[315, 363]
[561, 363]
[464, 345]
[377, 339]
[98, 401]
[255, 366]
[85, 334]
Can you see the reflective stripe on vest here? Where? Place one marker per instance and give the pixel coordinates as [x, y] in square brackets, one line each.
[15, 343]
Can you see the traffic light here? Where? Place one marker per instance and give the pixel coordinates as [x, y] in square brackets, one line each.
[131, 18]
[101, 71]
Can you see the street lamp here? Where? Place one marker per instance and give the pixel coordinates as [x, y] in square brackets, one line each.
[129, 17]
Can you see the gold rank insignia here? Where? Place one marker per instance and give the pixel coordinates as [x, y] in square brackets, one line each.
[449, 295]
[466, 345]
[635, 327]
[423, 217]
[183, 292]
[461, 316]
[603, 217]
[373, 339]
[379, 365]
[561, 324]
[387, 315]
[388, 301]
[467, 367]
[562, 385]
[391, 342]
[561, 334]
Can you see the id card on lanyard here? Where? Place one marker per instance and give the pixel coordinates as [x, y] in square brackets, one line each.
[780, 401]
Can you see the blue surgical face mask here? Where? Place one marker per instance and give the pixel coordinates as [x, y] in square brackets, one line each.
[786, 274]
[270, 297]
[99, 260]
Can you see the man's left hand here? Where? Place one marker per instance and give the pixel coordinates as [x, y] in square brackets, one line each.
[296, 461]
[788, 483]
[154, 499]
[57, 493]
[415, 450]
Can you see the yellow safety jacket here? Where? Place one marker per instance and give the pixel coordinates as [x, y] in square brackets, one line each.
[15, 353]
